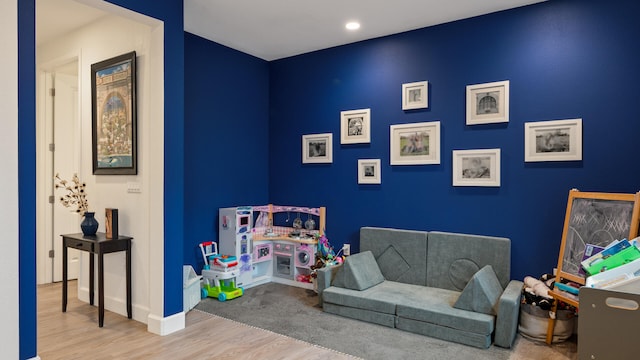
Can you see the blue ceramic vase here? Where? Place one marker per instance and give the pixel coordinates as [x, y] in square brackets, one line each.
[89, 224]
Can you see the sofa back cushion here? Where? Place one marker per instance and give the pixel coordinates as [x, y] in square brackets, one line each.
[401, 254]
[453, 259]
[482, 292]
[359, 272]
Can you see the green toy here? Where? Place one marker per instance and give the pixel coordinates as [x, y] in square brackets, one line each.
[225, 291]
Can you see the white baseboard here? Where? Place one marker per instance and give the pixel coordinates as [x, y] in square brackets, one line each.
[116, 305]
[165, 326]
[155, 324]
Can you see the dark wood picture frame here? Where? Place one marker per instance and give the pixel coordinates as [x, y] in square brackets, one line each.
[114, 116]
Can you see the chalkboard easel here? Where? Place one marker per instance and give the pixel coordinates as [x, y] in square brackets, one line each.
[591, 219]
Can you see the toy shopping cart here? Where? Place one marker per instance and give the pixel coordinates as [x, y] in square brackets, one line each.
[208, 248]
[219, 273]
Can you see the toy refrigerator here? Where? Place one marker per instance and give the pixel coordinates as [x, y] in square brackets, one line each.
[234, 230]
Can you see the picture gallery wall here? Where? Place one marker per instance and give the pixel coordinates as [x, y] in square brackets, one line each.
[515, 108]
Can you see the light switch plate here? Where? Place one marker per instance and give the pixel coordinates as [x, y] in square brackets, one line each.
[134, 187]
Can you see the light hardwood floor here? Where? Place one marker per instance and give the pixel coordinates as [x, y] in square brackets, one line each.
[76, 335]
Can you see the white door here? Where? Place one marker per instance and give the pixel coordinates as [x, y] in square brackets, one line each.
[63, 130]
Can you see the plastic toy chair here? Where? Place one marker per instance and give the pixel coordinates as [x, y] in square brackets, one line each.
[208, 248]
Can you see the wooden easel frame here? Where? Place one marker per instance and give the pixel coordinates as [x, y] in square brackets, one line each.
[561, 274]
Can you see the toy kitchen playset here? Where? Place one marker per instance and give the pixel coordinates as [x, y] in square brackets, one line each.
[271, 242]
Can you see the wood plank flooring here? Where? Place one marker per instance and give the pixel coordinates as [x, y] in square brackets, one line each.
[76, 335]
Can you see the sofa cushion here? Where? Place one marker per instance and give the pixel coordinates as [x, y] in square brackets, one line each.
[420, 303]
[405, 248]
[465, 336]
[380, 298]
[359, 272]
[481, 293]
[453, 258]
[370, 316]
[435, 306]
[392, 265]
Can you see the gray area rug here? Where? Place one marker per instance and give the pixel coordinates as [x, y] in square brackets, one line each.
[294, 312]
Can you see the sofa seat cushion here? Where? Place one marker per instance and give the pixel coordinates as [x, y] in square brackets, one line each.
[435, 306]
[381, 298]
[421, 303]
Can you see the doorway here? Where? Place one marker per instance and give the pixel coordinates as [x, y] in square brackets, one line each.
[59, 153]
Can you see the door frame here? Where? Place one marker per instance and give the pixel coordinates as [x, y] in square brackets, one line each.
[44, 167]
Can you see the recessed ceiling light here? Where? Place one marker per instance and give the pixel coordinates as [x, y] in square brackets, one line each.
[353, 25]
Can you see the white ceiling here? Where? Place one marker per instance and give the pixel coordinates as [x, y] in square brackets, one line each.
[276, 29]
[55, 18]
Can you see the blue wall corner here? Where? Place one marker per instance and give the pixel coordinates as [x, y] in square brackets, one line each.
[226, 127]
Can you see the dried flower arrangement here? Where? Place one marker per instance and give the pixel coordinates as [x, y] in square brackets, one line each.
[75, 196]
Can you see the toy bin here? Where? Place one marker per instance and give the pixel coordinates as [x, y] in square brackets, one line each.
[534, 321]
[608, 326]
[190, 288]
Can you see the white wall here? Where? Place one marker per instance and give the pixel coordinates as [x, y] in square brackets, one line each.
[140, 214]
[9, 180]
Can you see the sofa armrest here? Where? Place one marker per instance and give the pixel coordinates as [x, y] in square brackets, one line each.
[508, 313]
[325, 278]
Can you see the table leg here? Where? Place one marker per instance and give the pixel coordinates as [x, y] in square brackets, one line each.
[129, 307]
[100, 288]
[91, 277]
[64, 275]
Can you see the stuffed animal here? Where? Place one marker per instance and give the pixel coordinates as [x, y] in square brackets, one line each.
[324, 247]
[536, 292]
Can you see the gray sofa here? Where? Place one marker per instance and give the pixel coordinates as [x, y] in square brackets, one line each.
[454, 287]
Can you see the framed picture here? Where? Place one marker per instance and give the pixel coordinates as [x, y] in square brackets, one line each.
[488, 103]
[317, 148]
[369, 171]
[113, 105]
[355, 126]
[476, 167]
[415, 95]
[415, 144]
[557, 140]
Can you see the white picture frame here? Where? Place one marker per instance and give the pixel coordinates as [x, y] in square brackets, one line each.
[369, 171]
[479, 167]
[555, 140]
[355, 126]
[415, 144]
[488, 103]
[415, 95]
[317, 148]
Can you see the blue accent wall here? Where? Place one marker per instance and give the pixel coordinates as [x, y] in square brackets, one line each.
[226, 132]
[27, 178]
[564, 60]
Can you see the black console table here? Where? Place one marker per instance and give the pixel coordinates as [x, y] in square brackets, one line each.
[100, 245]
